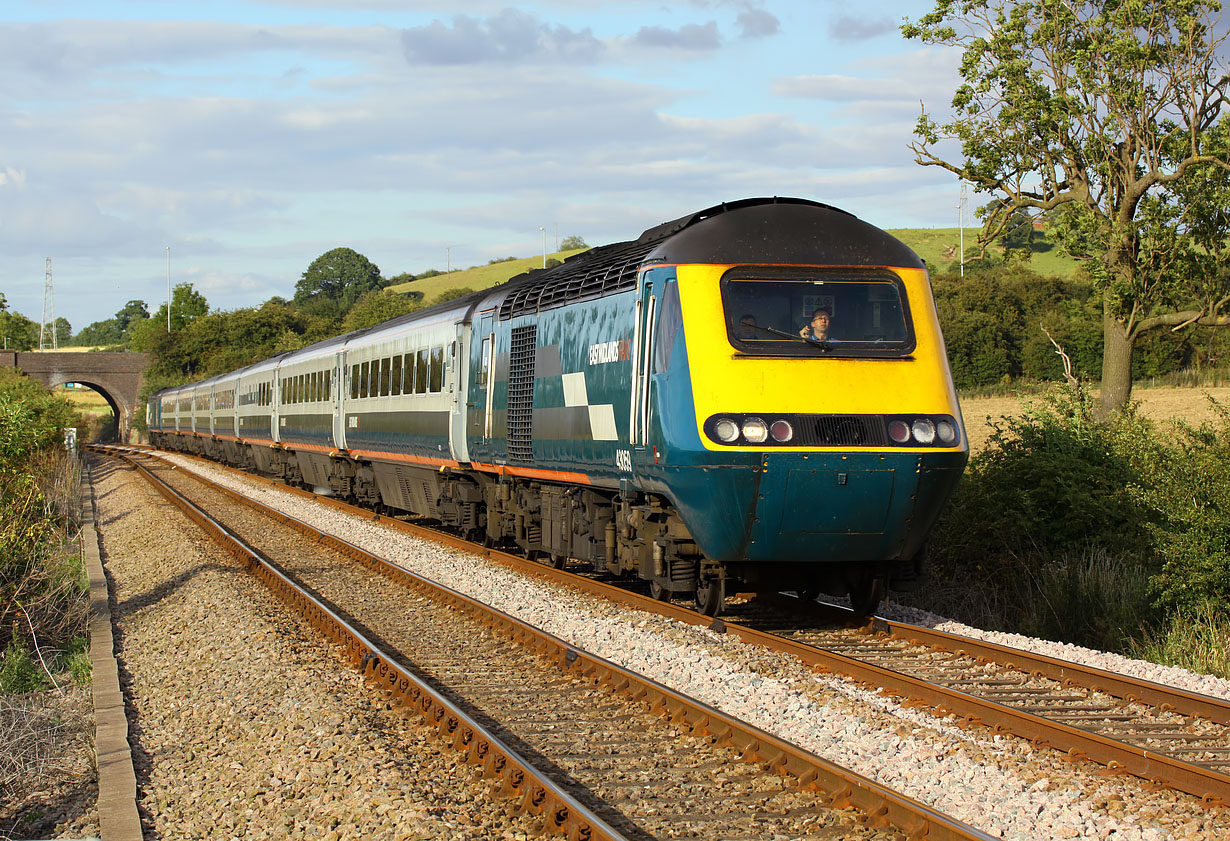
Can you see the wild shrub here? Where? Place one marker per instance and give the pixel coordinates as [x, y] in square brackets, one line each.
[1051, 479]
[43, 594]
[1191, 505]
[1051, 532]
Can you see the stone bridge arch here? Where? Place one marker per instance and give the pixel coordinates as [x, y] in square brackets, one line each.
[116, 376]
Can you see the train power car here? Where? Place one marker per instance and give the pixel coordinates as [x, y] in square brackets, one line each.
[753, 396]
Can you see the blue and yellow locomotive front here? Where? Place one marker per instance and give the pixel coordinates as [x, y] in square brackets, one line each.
[799, 408]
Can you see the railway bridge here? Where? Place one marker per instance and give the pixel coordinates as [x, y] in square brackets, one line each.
[116, 376]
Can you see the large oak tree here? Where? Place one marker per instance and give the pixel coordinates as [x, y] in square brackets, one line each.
[1106, 118]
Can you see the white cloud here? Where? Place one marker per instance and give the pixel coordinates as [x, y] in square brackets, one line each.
[512, 36]
[10, 177]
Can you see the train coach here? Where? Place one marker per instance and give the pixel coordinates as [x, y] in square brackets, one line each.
[755, 396]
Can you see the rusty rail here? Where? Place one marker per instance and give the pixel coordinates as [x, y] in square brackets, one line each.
[881, 805]
[1127, 687]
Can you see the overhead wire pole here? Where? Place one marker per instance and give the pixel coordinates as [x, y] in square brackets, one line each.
[49, 310]
[961, 224]
[544, 245]
[168, 289]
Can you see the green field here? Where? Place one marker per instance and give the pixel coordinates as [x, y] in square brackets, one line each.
[938, 246]
[479, 277]
[88, 402]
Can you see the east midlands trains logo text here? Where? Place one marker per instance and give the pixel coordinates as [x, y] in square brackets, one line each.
[617, 351]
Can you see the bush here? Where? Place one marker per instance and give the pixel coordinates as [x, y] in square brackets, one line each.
[42, 583]
[1191, 504]
[1051, 532]
[1096, 532]
[1051, 479]
[19, 672]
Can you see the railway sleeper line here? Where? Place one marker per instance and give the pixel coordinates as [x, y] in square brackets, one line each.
[837, 787]
[1156, 767]
[1129, 725]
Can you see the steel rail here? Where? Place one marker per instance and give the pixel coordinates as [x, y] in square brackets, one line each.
[1126, 687]
[881, 805]
[538, 795]
[1210, 786]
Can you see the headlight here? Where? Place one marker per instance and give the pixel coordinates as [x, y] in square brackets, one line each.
[726, 430]
[755, 431]
[946, 431]
[899, 431]
[924, 431]
[781, 431]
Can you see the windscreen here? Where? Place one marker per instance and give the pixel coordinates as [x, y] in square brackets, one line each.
[804, 313]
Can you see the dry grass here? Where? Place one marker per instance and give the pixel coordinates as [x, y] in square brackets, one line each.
[47, 780]
[1159, 404]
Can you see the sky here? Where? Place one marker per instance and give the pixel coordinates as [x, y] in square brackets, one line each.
[251, 137]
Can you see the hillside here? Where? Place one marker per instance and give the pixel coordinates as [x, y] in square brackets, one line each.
[478, 277]
[933, 244]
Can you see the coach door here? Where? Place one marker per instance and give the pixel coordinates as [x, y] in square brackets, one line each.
[335, 400]
[483, 375]
[458, 377]
[642, 356]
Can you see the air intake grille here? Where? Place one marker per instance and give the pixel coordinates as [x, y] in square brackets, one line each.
[840, 431]
[600, 271]
[521, 394]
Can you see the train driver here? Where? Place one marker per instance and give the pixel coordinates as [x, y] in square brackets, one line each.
[818, 329]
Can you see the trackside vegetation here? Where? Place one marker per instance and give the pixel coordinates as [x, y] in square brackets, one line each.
[1111, 532]
[43, 588]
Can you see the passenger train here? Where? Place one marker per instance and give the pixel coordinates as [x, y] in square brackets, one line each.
[657, 408]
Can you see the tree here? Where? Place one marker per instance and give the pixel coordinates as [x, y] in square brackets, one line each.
[114, 331]
[64, 331]
[378, 306]
[1095, 114]
[334, 281]
[572, 244]
[187, 305]
[452, 294]
[18, 332]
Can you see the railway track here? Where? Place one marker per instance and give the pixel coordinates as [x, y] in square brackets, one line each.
[592, 764]
[1166, 736]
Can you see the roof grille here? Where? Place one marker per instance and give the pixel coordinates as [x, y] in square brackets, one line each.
[597, 272]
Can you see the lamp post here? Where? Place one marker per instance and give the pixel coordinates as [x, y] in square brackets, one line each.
[168, 289]
[544, 245]
[961, 225]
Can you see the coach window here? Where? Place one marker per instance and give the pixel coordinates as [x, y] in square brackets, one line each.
[437, 370]
[420, 373]
[354, 381]
[364, 368]
[670, 321]
[481, 378]
[385, 366]
[407, 374]
[395, 388]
